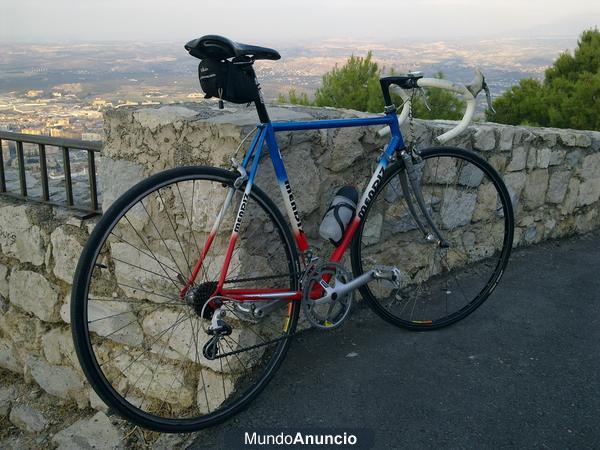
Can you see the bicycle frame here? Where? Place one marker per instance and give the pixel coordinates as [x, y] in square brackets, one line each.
[266, 135]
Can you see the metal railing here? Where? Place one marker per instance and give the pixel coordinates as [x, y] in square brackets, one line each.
[65, 146]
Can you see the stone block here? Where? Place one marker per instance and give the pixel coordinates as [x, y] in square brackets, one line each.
[515, 182]
[3, 280]
[28, 419]
[9, 358]
[589, 191]
[557, 157]
[7, 395]
[457, 208]
[557, 186]
[484, 139]
[536, 186]
[590, 167]
[20, 237]
[213, 389]
[115, 177]
[66, 251]
[572, 138]
[31, 292]
[518, 160]
[60, 381]
[570, 200]
[97, 432]
[543, 158]
[507, 135]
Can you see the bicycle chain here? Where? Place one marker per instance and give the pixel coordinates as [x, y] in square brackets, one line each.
[262, 344]
[267, 277]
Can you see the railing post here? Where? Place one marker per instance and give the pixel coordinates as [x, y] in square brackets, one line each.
[44, 172]
[21, 159]
[68, 181]
[92, 179]
[2, 176]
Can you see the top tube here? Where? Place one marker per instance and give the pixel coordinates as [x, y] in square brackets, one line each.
[387, 119]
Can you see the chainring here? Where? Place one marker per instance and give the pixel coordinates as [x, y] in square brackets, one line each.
[321, 313]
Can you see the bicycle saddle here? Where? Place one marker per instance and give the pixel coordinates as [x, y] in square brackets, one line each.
[219, 47]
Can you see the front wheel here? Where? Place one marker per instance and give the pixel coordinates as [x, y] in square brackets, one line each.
[441, 281]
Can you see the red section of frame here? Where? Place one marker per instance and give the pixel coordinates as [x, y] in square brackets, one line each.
[194, 274]
[228, 255]
[246, 295]
[341, 249]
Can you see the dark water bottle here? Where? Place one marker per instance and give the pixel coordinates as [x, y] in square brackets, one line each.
[338, 216]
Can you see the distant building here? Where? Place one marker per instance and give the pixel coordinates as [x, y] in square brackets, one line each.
[34, 93]
[35, 131]
[57, 132]
[91, 136]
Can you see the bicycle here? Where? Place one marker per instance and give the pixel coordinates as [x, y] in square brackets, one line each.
[183, 306]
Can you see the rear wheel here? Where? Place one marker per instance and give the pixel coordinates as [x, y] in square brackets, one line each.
[441, 282]
[144, 350]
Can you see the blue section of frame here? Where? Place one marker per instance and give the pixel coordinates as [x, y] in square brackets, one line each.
[266, 132]
[275, 154]
[259, 141]
[260, 130]
[334, 123]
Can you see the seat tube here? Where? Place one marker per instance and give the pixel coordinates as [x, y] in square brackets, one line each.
[286, 190]
[242, 208]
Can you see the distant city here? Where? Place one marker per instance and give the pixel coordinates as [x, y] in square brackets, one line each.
[61, 90]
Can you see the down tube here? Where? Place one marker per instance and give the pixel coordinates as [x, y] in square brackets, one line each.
[366, 198]
[286, 190]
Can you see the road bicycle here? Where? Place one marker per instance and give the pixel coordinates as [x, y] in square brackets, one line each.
[189, 289]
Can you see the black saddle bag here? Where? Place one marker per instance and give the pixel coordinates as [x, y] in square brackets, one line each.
[233, 81]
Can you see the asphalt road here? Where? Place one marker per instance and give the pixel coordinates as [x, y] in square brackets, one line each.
[523, 371]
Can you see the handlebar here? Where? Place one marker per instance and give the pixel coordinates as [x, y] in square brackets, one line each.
[469, 92]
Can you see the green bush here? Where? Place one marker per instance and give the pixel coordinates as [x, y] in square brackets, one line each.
[568, 97]
[355, 85]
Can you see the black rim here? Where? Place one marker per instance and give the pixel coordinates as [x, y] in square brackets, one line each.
[81, 286]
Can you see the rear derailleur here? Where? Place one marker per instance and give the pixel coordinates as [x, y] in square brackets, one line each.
[218, 329]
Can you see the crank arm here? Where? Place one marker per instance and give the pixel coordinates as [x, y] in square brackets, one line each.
[382, 273]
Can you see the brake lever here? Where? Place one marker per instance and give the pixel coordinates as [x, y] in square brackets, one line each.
[488, 97]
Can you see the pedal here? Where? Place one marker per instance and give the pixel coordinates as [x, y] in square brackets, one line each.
[392, 274]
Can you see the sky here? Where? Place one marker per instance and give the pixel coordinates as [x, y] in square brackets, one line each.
[263, 21]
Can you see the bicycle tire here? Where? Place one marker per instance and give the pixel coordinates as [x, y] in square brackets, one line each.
[508, 216]
[81, 283]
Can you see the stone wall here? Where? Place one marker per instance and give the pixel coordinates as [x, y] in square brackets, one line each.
[40, 248]
[553, 176]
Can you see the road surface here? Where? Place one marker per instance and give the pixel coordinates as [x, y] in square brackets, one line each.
[523, 371]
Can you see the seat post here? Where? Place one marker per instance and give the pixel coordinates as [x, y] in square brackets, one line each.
[261, 109]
